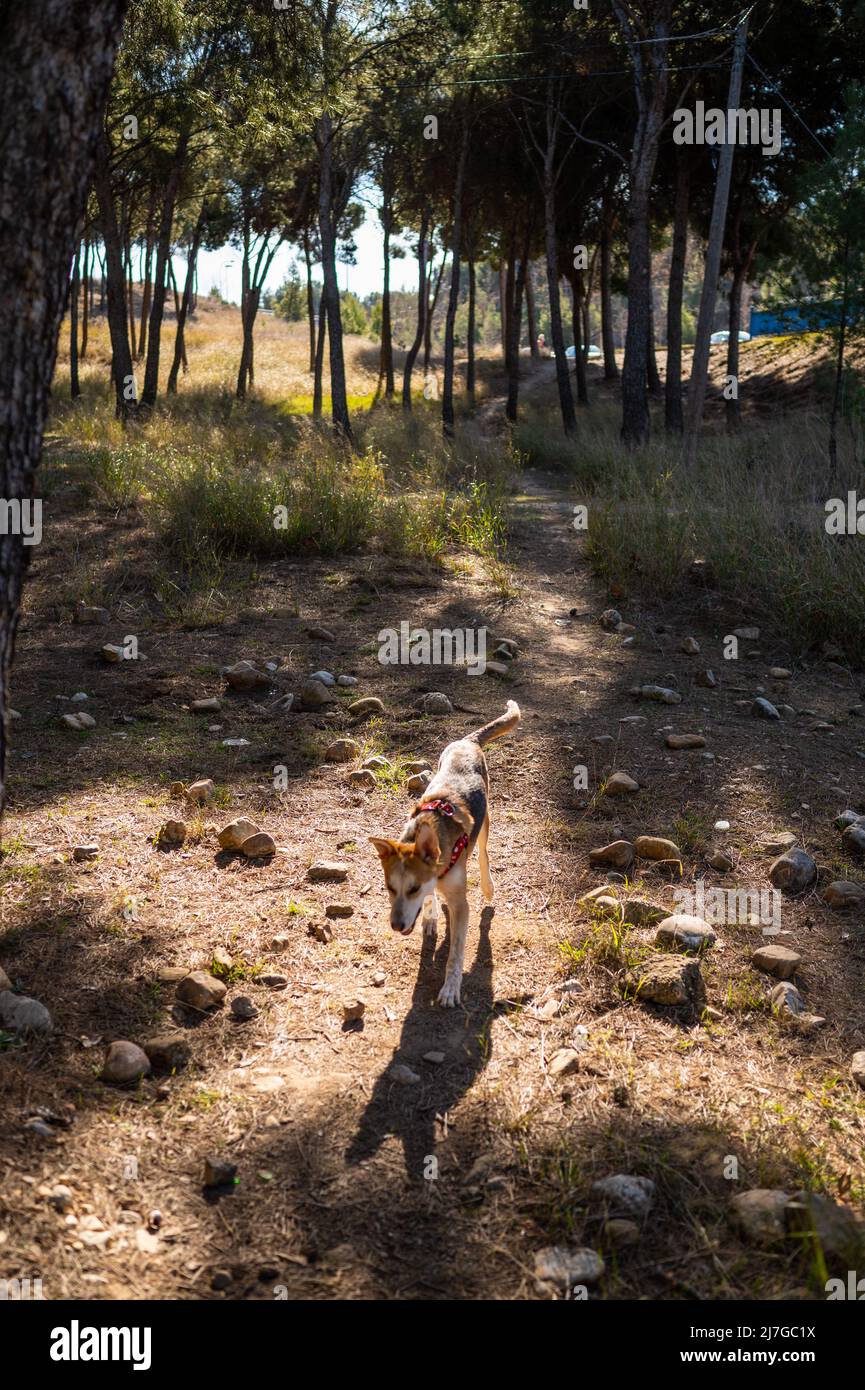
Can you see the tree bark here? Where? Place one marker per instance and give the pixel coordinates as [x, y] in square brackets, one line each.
[310, 301]
[163, 248]
[327, 234]
[611, 367]
[653, 377]
[531, 314]
[503, 304]
[114, 281]
[85, 306]
[741, 270]
[453, 297]
[431, 308]
[470, 331]
[421, 310]
[74, 291]
[146, 287]
[386, 359]
[183, 311]
[673, 416]
[56, 60]
[576, 326]
[563, 380]
[319, 361]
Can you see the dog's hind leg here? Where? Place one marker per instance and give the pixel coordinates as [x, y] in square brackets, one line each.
[458, 916]
[484, 859]
[430, 915]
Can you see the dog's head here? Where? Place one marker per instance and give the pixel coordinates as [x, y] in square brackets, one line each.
[409, 873]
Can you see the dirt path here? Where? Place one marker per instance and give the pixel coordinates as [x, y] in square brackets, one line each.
[350, 1182]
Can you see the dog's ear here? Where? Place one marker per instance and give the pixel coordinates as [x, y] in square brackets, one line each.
[426, 843]
[386, 848]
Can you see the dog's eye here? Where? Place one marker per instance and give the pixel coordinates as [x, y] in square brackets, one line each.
[392, 892]
[410, 892]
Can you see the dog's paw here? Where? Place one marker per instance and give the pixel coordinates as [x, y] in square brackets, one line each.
[449, 994]
[430, 925]
[487, 890]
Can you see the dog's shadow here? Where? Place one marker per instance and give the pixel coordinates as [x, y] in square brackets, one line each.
[417, 1112]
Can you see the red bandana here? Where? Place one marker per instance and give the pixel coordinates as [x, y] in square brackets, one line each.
[446, 809]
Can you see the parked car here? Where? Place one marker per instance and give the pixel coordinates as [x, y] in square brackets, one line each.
[724, 337]
[593, 353]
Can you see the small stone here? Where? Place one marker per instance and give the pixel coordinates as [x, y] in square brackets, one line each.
[320, 634]
[353, 1010]
[363, 778]
[314, 695]
[81, 853]
[680, 741]
[201, 991]
[376, 764]
[435, 703]
[620, 1232]
[436, 1058]
[5, 982]
[21, 1014]
[85, 613]
[780, 673]
[683, 932]
[853, 839]
[610, 619]
[417, 765]
[280, 942]
[620, 784]
[379, 978]
[209, 706]
[786, 999]
[793, 872]
[848, 818]
[653, 847]
[418, 784]
[85, 720]
[625, 1195]
[638, 912]
[324, 678]
[560, 1269]
[720, 861]
[258, 846]
[172, 833]
[828, 1227]
[361, 709]
[124, 1062]
[201, 792]
[403, 1075]
[662, 693]
[764, 709]
[245, 676]
[497, 668]
[842, 895]
[707, 679]
[342, 750]
[171, 974]
[220, 1279]
[168, 1052]
[779, 961]
[274, 981]
[690, 646]
[112, 653]
[777, 844]
[668, 980]
[327, 871]
[346, 681]
[339, 910]
[620, 854]
[759, 1214]
[232, 836]
[563, 1062]
[857, 1068]
[218, 1172]
[747, 634]
[321, 931]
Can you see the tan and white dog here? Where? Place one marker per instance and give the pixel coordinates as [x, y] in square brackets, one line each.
[432, 853]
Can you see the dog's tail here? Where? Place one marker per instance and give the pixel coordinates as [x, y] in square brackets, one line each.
[497, 728]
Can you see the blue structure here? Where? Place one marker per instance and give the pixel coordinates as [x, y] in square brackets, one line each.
[808, 319]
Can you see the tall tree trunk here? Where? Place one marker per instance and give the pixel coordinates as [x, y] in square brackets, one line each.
[56, 60]
[183, 311]
[515, 311]
[146, 286]
[431, 308]
[531, 313]
[85, 305]
[163, 249]
[653, 377]
[421, 310]
[576, 325]
[470, 330]
[319, 361]
[310, 300]
[611, 368]
[386, 360]
[732, 406]
[673, 416]
[503, 304]
[114, 281]
[327, 234]
[453, 298]
[74, 292]
[563, 379]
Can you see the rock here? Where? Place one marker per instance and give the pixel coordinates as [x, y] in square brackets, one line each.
[85, 720]
[690, 646]
[435, 1057]
[5, 982]
[826, 1225]
[503, 653]
[625, 1195]
[173, 832]
[81, 853]
[320, 634]
[245, 676]
[720, 861]
[342, 750]
[220, 1279]
[652, 847]
[376, 764]
[777, 844]
[258, 846]
[607, 903]
[637, 912]
[218, 1172]
[853, 839]
[417, 765]
[759, 1214]
[323, 678]
[667, 980]
[707, 679]
[84, 613]
[620, 854]
[403, 1075]
[779, 961]
[346, 681]
[434, 703]
[73, 721]
[339, 910]
[786, 999]
[111, 653]
[764, 709]
[274, 981]
[353, 1010]
[124, 1062]
[280, 942]
[841, 895]
[747, 634]
[682, 932]
[857, 1068]
[563, 1062]
[780, 673]
[168, 1052]
[848, 818]
[610, 619]
[232, 836]
[362, 709]
[679, 741]
[793, 872]
[418, 784]
[171, 974]
[322, 931]
[201, 991]
[208, 706]
[21, 1014]
[560, 1269]
[620, 1232]
[510, 644]
[327, 871]
[284, 705]
[314, 695]
[620, 784]
[243, 1009]
[363, 779]
[201, 792]
[662, 693]
[379, 978]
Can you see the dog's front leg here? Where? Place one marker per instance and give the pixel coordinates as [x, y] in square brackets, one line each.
[458, 913]
[430, 915]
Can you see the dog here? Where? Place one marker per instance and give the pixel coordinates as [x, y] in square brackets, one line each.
[432, 853]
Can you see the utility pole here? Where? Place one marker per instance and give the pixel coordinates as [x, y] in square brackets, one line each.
[700, 360]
